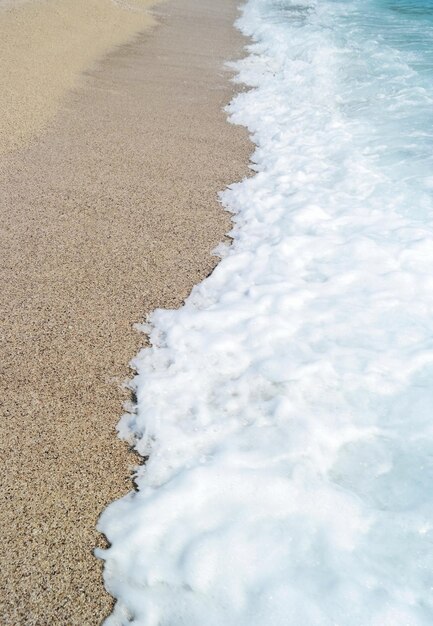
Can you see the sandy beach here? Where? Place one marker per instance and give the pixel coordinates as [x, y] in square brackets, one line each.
[109, 209]
[45, 45]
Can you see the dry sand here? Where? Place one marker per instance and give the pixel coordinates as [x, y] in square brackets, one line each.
[44, 47]
[111, 212]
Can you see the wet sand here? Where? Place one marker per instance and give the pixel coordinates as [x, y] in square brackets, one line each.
[110, 213]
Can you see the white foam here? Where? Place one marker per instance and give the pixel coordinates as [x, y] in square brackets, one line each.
[286, 408]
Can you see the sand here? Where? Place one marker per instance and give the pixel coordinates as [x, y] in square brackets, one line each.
[111, 212]
[45, 45]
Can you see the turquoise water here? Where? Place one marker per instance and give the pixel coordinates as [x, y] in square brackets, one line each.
[382, 63]
[390, 83]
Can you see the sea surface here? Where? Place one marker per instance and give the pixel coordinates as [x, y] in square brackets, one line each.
[287, 409]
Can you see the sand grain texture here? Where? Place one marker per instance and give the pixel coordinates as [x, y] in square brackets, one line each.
[111, 212]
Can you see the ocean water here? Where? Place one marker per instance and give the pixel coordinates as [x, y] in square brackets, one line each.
[287, 408]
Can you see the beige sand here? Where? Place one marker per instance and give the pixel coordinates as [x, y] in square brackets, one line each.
[44, 47]
[111, 212]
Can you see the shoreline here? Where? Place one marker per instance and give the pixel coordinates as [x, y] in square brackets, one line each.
[110, 213]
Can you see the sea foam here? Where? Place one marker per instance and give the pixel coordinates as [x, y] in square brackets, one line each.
[286, 408]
